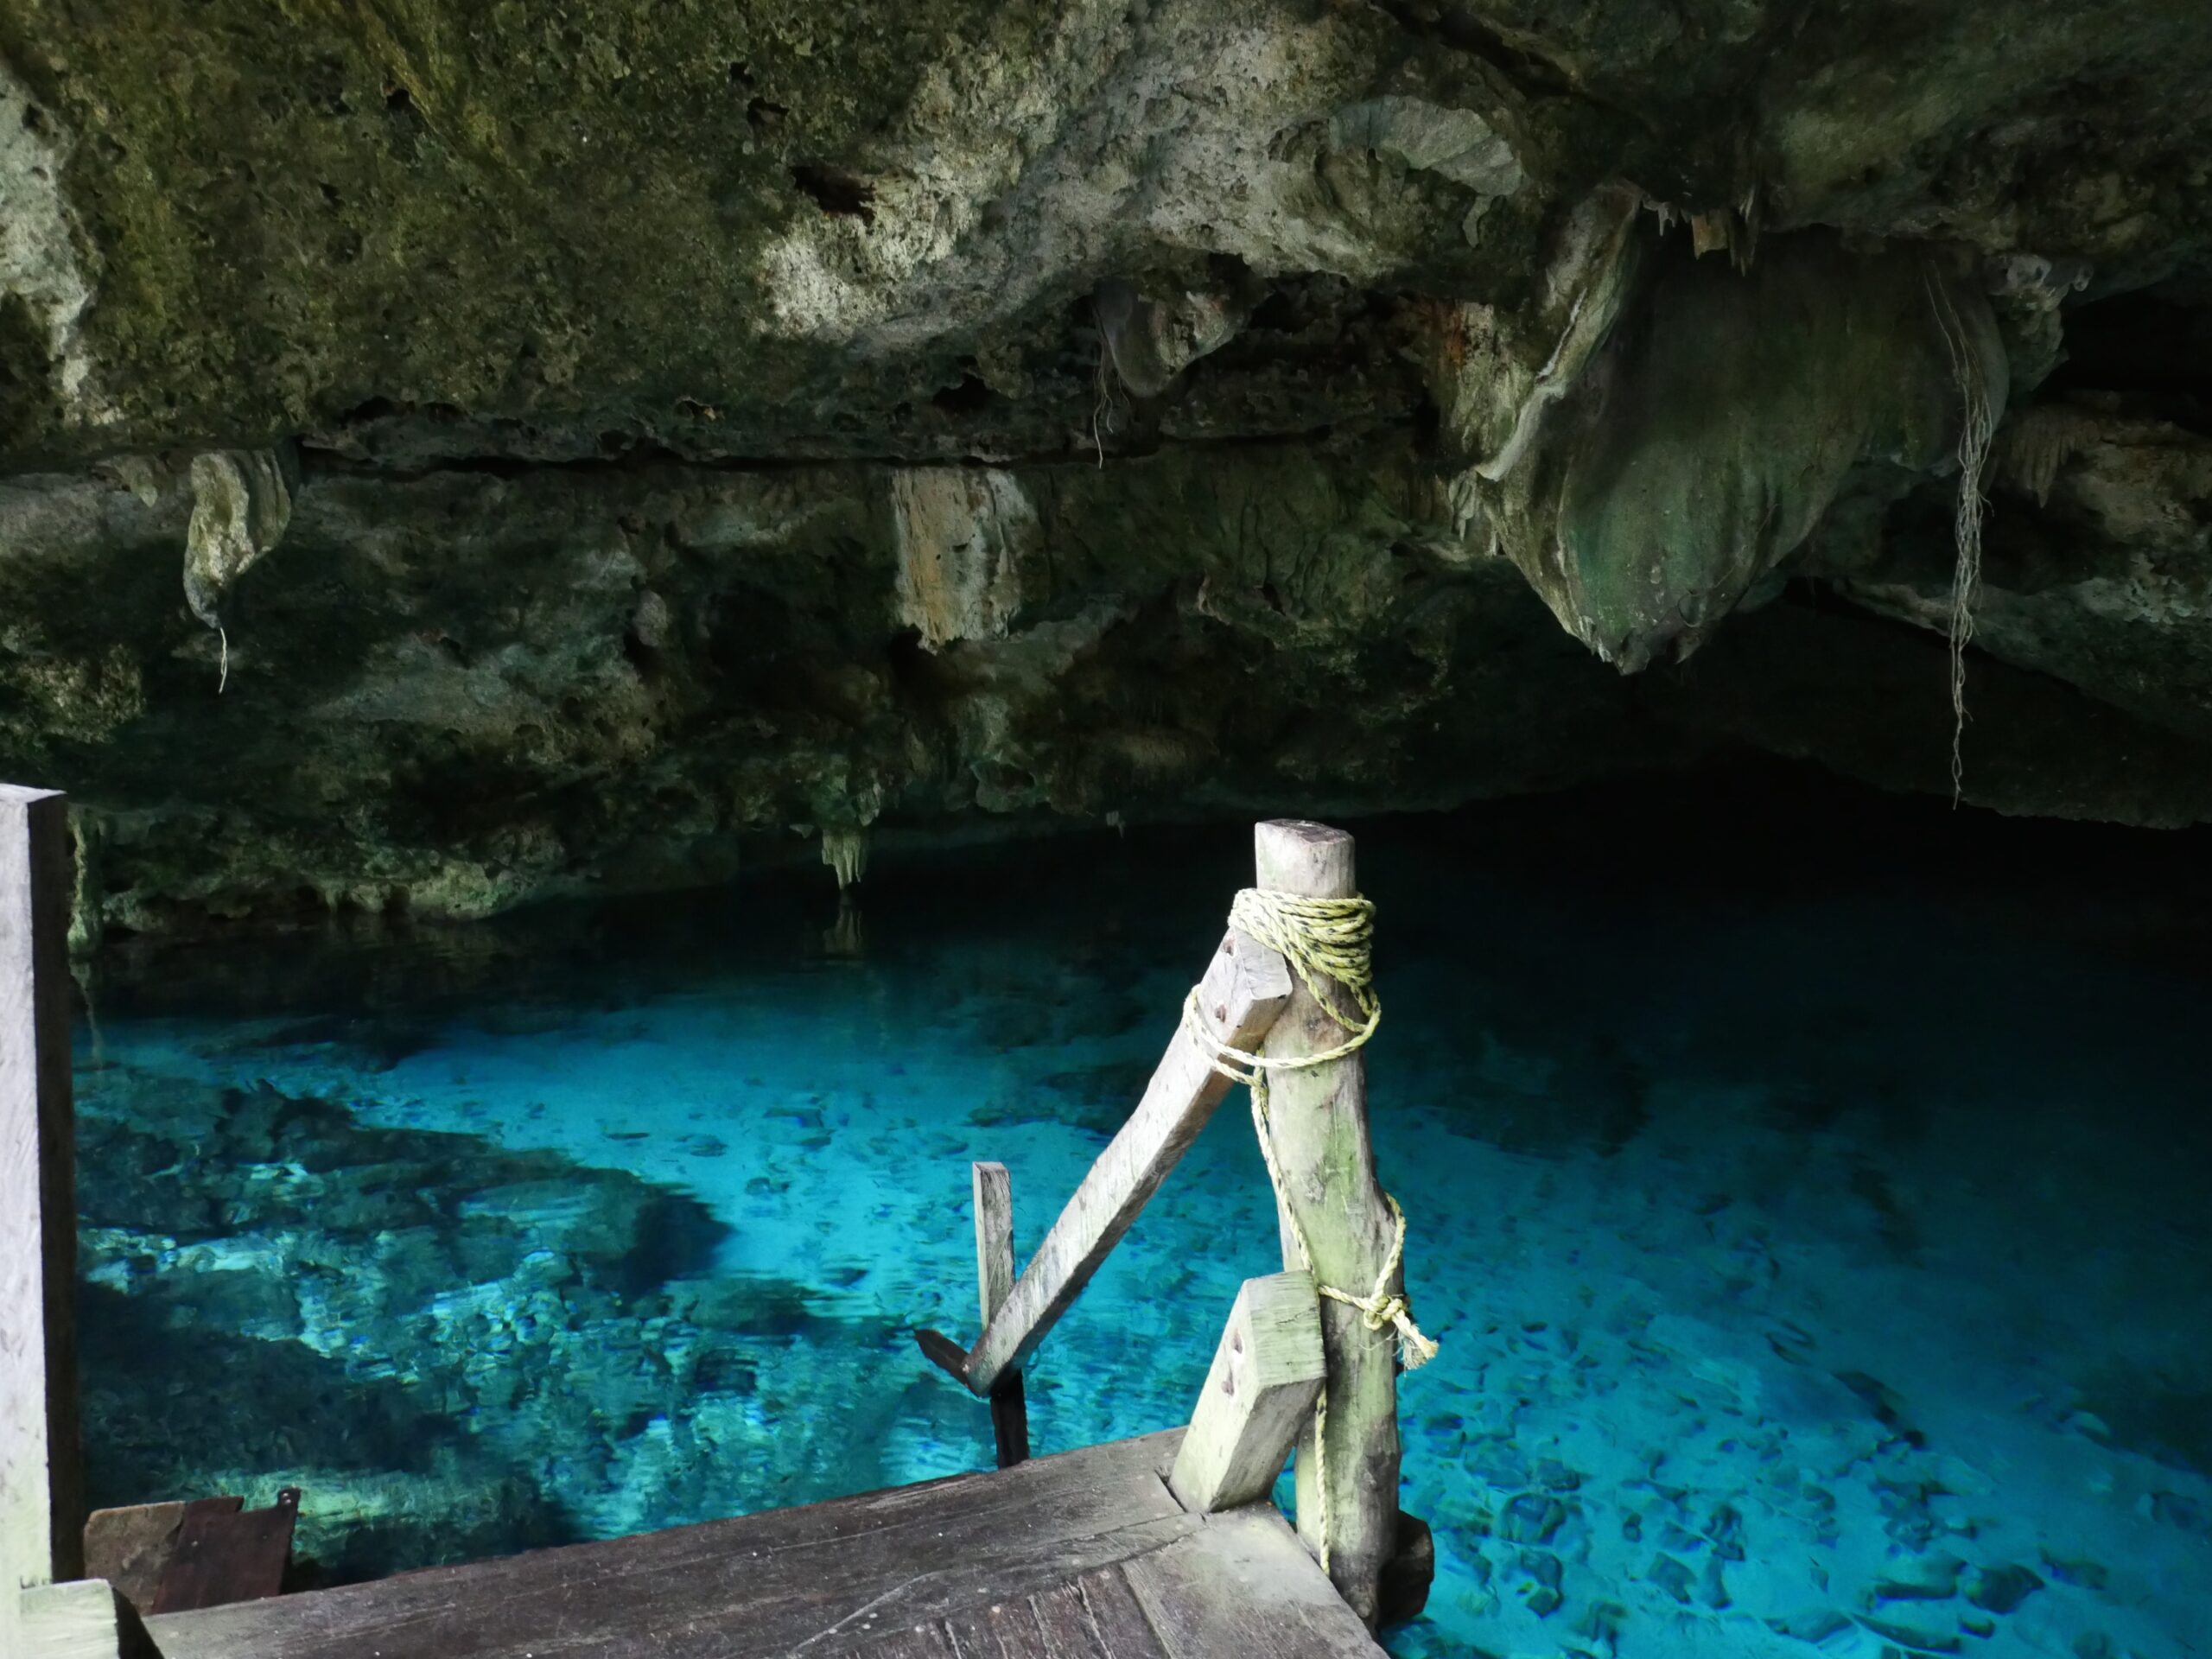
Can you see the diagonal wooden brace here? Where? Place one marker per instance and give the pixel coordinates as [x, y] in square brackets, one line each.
[1245, 987]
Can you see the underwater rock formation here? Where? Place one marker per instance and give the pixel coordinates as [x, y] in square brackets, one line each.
[689, 428]
[405, 1324]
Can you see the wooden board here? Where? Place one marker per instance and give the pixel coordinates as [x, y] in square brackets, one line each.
[1243, 989]
[1245, 1588]
[1267, 1369]
[760, 1585]
[1048, 1559]
[130, 1547]
[41, 1497]
[225, 1553]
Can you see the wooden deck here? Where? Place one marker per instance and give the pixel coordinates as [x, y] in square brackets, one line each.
[1126, 1551]
[1084, 1555]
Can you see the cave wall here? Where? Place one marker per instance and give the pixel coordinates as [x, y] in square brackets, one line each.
[451, 455]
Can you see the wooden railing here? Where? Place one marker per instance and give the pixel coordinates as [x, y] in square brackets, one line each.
[1284, 1347]
[41, 1490]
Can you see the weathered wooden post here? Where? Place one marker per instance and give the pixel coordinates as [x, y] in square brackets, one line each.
[41, 1497]
[1347, 1483]
[994, 1284]
[41, 1490]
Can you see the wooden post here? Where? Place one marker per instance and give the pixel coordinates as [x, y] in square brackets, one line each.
[41, 1497]
[1259, 1390]
[1319, 1120]
[994, 1284]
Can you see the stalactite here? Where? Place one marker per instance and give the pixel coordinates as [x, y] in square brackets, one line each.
[845, 851]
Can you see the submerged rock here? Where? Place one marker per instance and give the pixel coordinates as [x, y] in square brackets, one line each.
[452, 1348]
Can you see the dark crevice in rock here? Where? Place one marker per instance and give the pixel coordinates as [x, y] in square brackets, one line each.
[2152, 354]
[631, 455]
[835, 190]
[1455, 28]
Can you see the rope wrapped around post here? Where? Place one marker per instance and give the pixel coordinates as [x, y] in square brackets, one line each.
[1323, 940]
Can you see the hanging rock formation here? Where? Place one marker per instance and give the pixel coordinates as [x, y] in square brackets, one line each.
[688, 428]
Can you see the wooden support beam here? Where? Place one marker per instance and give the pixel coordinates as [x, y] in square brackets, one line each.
[1244, 989]
[1319, 1120]
[1265, 1374]
[994, 1284]
[83, 1619]
[42, 1495]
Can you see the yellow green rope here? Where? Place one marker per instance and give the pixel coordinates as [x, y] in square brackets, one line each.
[1327, 942]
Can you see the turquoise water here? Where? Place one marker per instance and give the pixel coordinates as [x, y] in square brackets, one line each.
[1808, 1194]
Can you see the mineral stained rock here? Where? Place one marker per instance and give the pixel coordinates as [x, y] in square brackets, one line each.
[451, 454]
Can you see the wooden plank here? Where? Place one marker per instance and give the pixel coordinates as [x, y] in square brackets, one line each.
[1093, 1616]
[82, 1619]
[41, 1489]
[997, 1629]
[920, 1641]
[224, 1554]
[820, 1579]
[994, 1190]
[1244, 1588]
[1266, 1369]
[943, 1352]
[1319, 1120]
[1245, 987]
[1117, 1616]
[1086, 1620]
[130, 1547]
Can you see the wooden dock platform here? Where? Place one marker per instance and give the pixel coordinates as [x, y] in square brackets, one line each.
[1084, 1555]
[1166, 1547]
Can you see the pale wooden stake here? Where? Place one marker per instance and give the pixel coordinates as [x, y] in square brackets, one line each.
[1259, 1390]
[994, 1284]
[994, 1237]
[42, 1499]
[1319, 1117]
[1245, 987]
[84, 1619]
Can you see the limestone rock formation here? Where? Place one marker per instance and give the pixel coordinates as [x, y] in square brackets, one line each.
[691, 429]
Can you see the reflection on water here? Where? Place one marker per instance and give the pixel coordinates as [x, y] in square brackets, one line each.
[1808, 1195]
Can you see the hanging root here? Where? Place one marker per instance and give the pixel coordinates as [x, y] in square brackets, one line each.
[1978, 425]
[1106, 405]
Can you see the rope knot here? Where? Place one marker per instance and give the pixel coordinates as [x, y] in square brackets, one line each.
[1329, 944]
[1384, 1309]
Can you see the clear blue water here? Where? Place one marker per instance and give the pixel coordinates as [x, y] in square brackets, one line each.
[1809, 1195]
